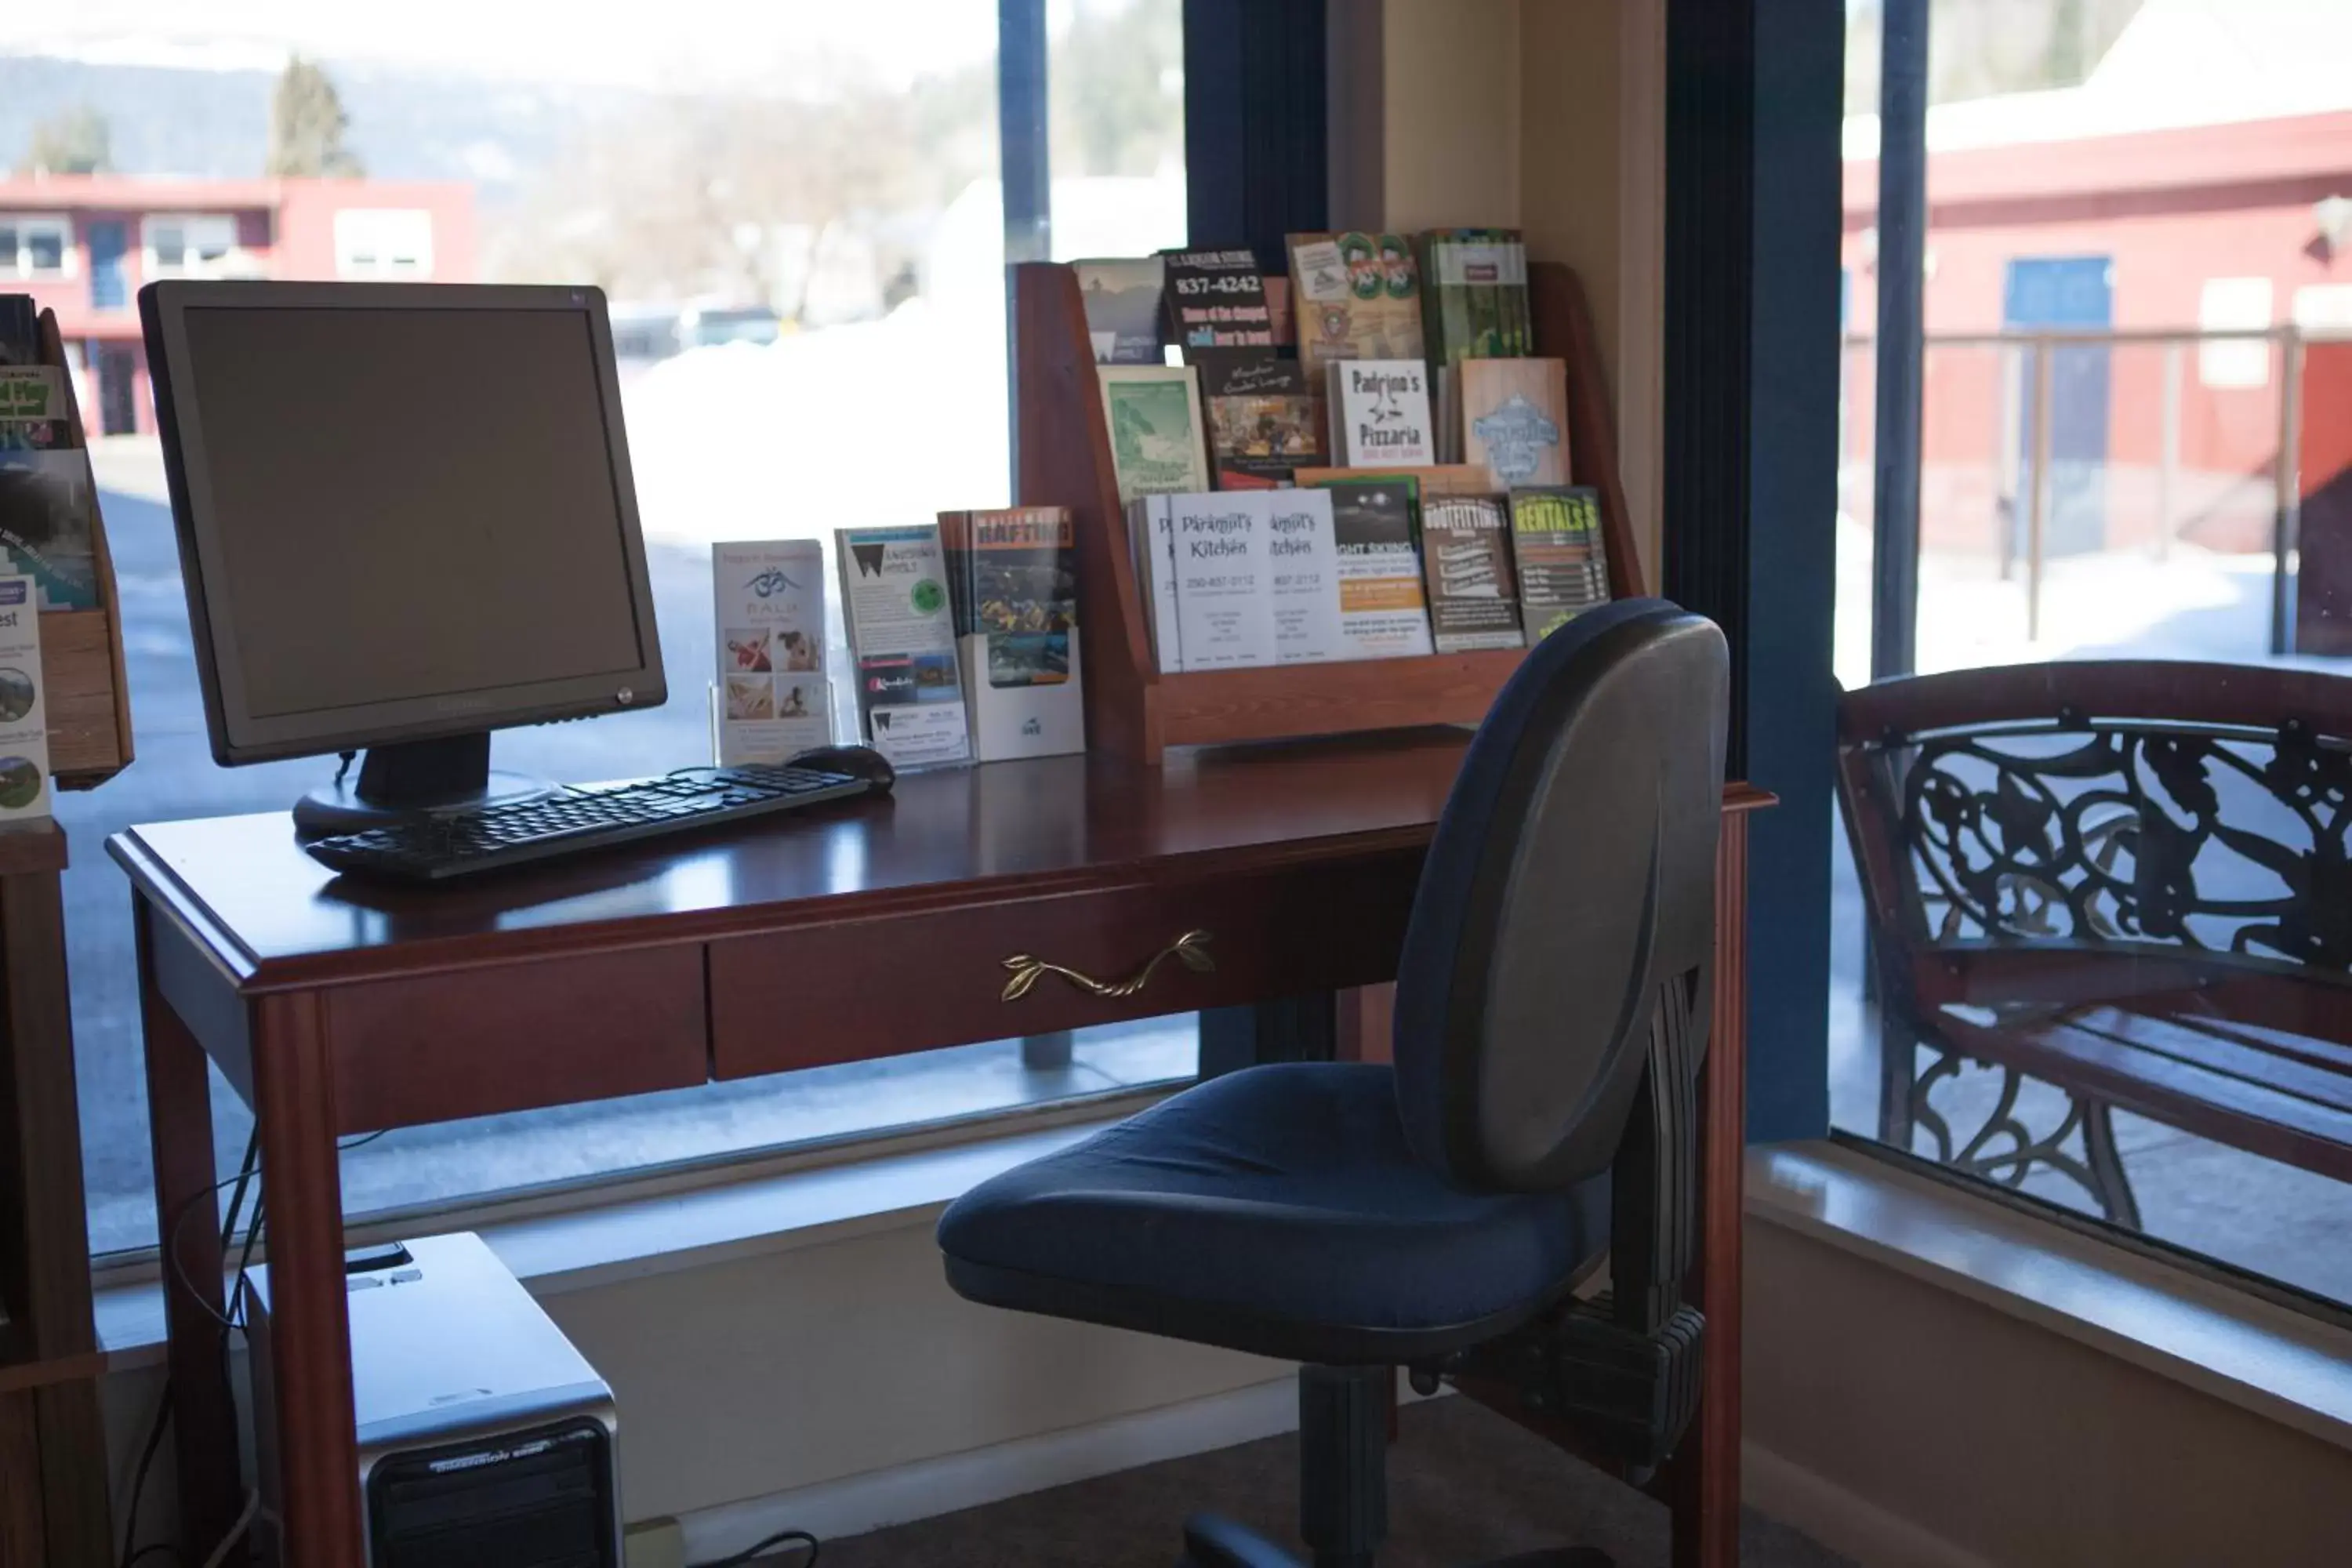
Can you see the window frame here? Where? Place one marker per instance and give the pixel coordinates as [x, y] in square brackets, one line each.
[1754, 183]
[16, 262]
[229, 264]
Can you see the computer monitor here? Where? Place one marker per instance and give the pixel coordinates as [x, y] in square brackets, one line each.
[405, 520]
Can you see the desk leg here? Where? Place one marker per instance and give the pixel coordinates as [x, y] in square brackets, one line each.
[310, 1342]
[1291, 1029]
[1703, 1482]
[203, 1411]
[20, 1480]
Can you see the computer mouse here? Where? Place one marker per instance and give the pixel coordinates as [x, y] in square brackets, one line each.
[857, 762]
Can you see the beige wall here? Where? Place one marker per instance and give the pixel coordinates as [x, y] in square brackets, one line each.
[771, 1373]
[829, 1360]
[1449, 85]
[1548, 115]
[1910, 1427]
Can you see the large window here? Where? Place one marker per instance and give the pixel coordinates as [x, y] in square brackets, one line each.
[391, 244]
[194, 245]
[36, 247]
[796, 211]
[2128, 384]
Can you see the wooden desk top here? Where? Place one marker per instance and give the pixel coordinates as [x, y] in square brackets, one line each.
[274, 917]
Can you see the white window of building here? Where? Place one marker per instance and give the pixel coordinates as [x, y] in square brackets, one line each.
[34, 247]
[383, 242]
[192, 244]
[2324, 309]
[2233, 305]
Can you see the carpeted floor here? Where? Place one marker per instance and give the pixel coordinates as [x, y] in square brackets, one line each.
[1465, 1486]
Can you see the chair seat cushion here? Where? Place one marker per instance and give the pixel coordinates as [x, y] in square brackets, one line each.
[1278, 1210]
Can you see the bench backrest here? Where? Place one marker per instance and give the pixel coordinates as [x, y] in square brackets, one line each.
[2072, 825]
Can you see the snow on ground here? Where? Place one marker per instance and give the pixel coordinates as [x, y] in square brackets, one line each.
[873, 422]
[2190, 602]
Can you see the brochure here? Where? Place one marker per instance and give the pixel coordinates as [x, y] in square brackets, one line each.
[24, 718]
[48, 500]
[1152, 534]
[33, 408]
[1380, 413]
[1465, 552]
[894, 598]
[770, 615]
[1382, 611]
[1225, 598]
[1122, 305]
[1216, 300]
[1154, 413]
[1563, 562]
[1306, 562]
[1013, 579]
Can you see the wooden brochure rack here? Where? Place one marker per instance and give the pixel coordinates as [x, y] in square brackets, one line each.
[1133, 711]
[82, 650]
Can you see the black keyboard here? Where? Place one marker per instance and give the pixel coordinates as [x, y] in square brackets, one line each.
[460, 843]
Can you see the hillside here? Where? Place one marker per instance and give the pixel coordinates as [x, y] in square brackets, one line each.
[405, 125]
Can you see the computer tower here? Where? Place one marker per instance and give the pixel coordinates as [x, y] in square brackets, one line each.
[485, 1439]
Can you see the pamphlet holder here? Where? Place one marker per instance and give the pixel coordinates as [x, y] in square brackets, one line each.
[82, 650]
[1063, 459]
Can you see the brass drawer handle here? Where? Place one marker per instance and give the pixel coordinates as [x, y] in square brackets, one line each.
[1191, 950]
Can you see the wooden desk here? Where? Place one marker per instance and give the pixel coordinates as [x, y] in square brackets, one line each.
[336, 1007]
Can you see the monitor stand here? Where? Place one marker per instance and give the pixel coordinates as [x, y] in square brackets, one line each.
[412, 779]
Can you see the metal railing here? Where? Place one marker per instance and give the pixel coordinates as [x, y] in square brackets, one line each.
[2026, 460]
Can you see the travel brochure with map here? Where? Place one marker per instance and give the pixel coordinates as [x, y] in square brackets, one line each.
[1153, 414]
[902, 643]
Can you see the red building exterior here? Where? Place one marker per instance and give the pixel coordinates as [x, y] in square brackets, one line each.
[2224, 226]
[83, 245]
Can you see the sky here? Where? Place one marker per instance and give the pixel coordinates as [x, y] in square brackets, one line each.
[681, 43]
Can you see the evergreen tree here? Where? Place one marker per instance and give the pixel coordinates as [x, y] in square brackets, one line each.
[307, 124]
[2067, 64]
[76, 142]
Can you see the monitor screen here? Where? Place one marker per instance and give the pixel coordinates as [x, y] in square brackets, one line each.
[407, 517]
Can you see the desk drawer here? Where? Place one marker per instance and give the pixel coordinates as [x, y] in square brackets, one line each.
[880, 986]
[552, 1032]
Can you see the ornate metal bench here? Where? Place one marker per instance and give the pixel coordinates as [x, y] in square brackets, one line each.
[2129, 880]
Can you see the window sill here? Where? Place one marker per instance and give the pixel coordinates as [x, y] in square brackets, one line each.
[2270, 1359]
[667, 1227]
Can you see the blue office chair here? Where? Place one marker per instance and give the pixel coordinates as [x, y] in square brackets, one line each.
[1551, 1014]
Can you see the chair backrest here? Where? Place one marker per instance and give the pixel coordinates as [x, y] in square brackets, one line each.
[2101, 813]
[1564, 923]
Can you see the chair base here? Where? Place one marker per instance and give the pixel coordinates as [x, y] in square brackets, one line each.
[1214, 1542]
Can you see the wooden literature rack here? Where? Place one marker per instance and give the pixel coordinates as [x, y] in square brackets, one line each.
[1064, 458]
[53, 1484]
[82, 650]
